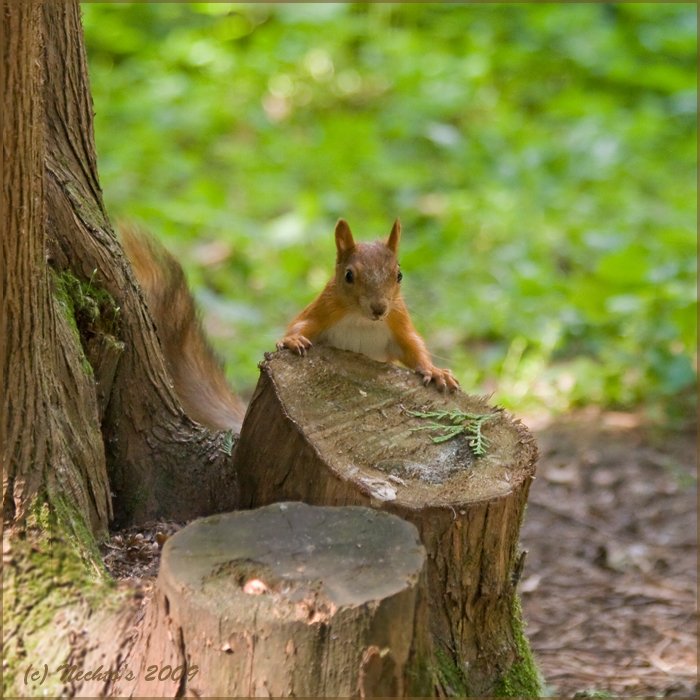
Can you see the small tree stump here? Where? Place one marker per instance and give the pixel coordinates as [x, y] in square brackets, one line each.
[332, 428]
[292, 600]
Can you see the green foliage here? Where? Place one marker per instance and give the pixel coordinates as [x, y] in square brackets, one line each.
[542, 158]
[450, 424]
[229, 442]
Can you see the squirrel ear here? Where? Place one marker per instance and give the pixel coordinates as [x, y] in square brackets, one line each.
[344, 242]
[393, 243]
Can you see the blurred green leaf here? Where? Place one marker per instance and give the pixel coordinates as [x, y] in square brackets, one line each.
[546, 179]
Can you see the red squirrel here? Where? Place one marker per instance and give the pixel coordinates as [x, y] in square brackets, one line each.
[361, 309]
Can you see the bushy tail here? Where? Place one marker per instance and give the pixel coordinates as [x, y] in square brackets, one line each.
[199, 379]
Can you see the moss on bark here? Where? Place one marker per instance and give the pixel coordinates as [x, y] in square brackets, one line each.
[89, 308]
[450, 677]
[53, 579]
[523, 679]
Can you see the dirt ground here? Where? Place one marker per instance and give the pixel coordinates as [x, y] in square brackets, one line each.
[609, 587]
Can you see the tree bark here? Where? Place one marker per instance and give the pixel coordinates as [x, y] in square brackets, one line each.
[89, 423]
[155, 455]
[161, 463]
[333, 428]
[50, 433]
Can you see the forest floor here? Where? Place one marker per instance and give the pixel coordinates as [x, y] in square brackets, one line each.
[609, 587]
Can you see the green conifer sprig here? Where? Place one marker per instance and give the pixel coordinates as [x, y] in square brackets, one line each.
[449, 424]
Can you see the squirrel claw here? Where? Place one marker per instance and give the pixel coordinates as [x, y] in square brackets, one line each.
[443, 378]
[296, 343]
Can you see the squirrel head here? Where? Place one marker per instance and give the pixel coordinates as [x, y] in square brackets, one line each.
[367, 275]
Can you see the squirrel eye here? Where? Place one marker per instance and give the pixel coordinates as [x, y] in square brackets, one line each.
[349, 277]
[399, 277]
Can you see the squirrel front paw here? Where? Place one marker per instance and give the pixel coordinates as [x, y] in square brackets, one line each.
[296, 343]
[443, 378]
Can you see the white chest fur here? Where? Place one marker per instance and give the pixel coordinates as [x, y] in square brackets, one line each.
[359, 334]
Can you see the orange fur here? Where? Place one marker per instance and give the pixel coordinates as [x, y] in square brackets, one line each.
[197, 375]
[361, 309]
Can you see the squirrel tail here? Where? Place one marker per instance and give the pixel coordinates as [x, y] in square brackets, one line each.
[197, 374]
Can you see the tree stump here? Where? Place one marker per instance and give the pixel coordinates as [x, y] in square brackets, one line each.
[333, 428]
[289, 600]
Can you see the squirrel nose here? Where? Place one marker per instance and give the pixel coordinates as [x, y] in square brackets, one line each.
[378, 309]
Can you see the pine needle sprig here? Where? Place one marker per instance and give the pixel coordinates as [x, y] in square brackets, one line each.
[449, 424]
[228, 442]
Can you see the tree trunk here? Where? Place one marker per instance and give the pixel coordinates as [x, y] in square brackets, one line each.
[154, 454]
[89, 423]
[334, 428]
[50, 434]
[161, 463]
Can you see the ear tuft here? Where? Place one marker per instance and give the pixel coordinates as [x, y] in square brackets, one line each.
[394, 237]
[344, 242]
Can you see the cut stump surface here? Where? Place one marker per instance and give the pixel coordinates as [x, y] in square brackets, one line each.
[294, 600]
[354, 413]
